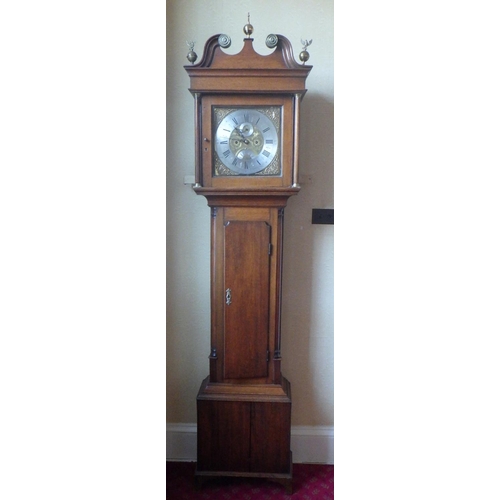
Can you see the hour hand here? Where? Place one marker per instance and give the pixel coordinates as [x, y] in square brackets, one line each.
[246, 141]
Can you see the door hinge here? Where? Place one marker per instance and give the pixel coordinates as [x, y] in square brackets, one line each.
[270, 248]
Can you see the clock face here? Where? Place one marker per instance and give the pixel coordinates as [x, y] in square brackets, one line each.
[247, 141]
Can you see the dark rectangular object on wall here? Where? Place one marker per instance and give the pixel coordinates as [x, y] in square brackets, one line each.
[322, 216]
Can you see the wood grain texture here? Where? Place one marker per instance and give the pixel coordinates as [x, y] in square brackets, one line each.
[244, 435]
[223, 435]
[206, 132]
[245, 335]
[244, 406]
[246, 320]
[247, 79]
[247, 71]
[270, 437]
[279, 393]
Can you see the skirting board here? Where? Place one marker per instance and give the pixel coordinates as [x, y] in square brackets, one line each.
[310, 444]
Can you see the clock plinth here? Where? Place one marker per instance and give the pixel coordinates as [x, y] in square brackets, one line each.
[245, 432]
[247, 110]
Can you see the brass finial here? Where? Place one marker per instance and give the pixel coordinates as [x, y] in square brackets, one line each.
[248, 28]
[192, 56]
[304, 55]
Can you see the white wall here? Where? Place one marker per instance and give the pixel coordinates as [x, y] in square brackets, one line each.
[307, 320]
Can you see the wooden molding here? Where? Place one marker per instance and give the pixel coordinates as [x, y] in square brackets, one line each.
[219, 72]
[259, 197]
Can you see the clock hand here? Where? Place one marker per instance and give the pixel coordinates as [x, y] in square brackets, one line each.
[246, 141]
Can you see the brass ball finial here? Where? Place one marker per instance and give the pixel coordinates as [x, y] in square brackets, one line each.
[304, 55]
[248, 28]
[192, 56]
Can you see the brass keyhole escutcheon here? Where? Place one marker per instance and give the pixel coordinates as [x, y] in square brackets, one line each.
[228, 296]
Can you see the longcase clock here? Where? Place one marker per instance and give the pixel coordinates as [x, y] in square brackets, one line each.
[247, 111]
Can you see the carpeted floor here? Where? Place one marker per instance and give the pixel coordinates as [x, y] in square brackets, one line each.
[310, 482]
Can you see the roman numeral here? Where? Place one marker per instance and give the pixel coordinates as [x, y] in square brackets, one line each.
[223, 142]
[245, 117]
[268, 141]
[266, 153]
[235, 161]
[226, 153]
[235, 120]
[265, 130]
[246, 165]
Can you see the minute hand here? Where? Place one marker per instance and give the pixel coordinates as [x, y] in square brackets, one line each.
[246, 141]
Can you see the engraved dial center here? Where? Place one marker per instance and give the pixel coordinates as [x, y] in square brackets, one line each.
[246, 141]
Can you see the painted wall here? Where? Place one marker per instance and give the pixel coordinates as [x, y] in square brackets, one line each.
[307, 315]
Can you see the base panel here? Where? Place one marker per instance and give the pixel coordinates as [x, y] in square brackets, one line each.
[245, 435]
[285, 480]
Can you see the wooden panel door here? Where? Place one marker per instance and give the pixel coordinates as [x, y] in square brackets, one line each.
[270, 437]
[246, 283]
[224, 435]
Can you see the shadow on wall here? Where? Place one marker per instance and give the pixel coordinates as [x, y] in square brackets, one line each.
[308, 270]
[317, 146]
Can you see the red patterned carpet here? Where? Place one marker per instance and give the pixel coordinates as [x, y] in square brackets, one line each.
[310, 482]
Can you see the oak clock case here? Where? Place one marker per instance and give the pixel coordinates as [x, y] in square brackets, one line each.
[246, 114]
[255, 127]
